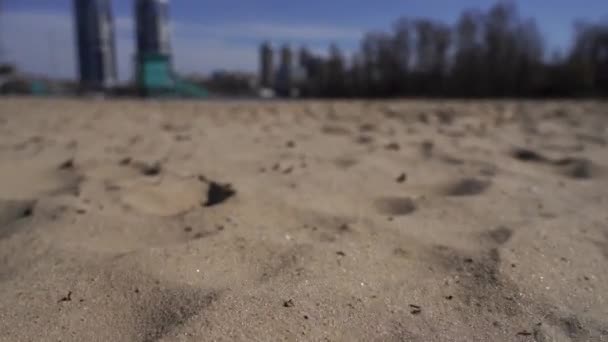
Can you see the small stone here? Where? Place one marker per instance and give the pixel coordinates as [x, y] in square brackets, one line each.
[67, 165]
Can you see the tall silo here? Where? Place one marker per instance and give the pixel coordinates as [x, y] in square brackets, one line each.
[284, 83]
[266, 66]
[95, 44]
[152, 25]
[154, 72]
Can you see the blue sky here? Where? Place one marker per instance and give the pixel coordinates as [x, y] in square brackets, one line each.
[215, 34]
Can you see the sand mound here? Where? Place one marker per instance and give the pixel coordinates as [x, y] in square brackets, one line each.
[168, 196]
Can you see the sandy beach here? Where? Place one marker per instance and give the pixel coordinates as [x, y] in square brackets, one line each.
[124, 220]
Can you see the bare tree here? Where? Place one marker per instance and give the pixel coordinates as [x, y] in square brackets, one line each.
[500, 48]
[336, 71]
[492, 53]
[468, 54]
[589, 57]
[529, 61]
[378, 61]
[403, 45]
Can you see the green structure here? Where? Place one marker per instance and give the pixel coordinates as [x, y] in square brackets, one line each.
[154, 75]
[39, 88]
[156, 79]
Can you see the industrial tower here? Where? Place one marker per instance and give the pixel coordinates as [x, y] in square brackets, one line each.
[95, 44]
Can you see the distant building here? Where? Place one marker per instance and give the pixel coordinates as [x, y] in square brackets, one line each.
[266, 66]
[152, 26]
[154, 72]
[285, 74]
[95, 43]
[232, 83]
[303, 69]
[304, 58]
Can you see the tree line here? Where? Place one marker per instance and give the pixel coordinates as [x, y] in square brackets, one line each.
[496, 53]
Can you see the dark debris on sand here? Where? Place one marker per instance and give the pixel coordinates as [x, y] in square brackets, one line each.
[218, 193]
[28, 211]
[402, 178]
[527, 155]
[415, 309]
[151, 170]
[67, 165]
[66, 298]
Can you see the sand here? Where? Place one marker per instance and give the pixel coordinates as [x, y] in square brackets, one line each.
[303, 221]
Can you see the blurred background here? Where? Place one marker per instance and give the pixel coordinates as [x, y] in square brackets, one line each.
[318, 49]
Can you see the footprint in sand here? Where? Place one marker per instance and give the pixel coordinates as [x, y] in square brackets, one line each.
[577, 168]
[12, 211]
[169, 196]
[33, 179]
[500, 235]
[26, 182]
[467, 187]
[573, 167]
[395, 206]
